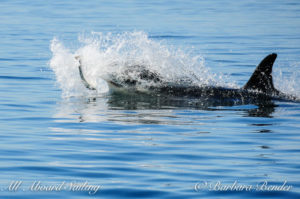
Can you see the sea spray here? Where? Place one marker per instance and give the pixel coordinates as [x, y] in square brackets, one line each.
[106, 55]
[287, 79]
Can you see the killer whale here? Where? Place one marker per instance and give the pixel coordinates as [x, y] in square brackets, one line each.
[259, 87]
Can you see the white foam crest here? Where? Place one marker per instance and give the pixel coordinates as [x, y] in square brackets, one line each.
[64, 67]
[288, 81]
[104, 55]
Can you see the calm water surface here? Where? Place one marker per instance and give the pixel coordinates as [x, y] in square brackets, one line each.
[133, 146]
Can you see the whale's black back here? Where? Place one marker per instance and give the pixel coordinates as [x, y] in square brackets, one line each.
[259, 86]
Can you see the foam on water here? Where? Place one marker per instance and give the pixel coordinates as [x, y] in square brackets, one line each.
[106, 55]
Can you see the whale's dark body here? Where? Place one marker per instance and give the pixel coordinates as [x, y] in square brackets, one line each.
[259, 88]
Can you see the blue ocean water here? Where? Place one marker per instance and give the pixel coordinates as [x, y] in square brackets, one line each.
[57, 142]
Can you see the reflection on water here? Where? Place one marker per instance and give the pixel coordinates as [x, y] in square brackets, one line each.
[94, 109]
[262, 110]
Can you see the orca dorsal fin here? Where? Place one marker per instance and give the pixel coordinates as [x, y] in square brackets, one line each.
[262, 79]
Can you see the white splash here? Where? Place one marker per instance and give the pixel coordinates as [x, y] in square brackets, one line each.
[287, 79]
[109, 54]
